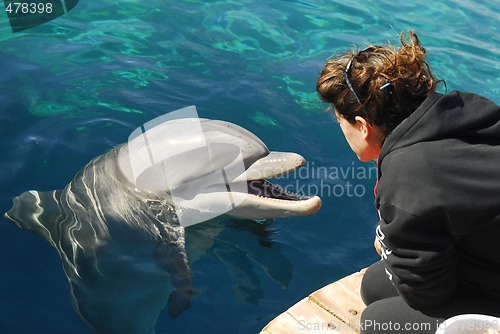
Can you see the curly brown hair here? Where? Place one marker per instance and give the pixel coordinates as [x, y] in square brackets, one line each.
[382, 84]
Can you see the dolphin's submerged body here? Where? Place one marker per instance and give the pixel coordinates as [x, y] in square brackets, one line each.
[119, 225]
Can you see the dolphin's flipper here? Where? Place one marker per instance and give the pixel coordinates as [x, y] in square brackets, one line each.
[169, 258]
[38, 212]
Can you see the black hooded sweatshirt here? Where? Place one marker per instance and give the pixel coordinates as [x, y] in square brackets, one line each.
[438, 197]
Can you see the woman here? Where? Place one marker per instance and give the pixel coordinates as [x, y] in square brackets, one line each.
[438, 188]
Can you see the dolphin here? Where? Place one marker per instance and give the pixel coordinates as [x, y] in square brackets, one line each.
[119, 226]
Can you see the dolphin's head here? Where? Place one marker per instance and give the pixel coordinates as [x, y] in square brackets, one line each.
[212, 167]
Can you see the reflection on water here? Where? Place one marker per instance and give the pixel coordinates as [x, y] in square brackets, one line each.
[254, 246]
[98, 48]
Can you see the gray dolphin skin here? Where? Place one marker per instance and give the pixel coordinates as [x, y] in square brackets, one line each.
[117, 226]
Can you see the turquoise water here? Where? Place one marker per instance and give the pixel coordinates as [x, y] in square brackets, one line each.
[73, 88]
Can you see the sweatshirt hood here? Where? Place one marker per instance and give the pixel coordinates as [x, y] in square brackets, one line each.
[453, 115]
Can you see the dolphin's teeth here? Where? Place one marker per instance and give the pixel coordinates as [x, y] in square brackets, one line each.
[266, 190]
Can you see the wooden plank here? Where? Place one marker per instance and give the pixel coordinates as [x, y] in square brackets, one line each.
[343, 299]
[310, 314]
[333, 309]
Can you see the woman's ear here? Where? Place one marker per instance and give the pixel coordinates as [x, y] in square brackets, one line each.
[371, 134]
[364, 127]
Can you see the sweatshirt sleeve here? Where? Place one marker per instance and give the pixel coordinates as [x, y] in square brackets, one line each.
[419, 256]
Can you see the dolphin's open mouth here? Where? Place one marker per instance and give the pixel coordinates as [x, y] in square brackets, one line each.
[273, 165]
[263, 199]
[266, 189]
